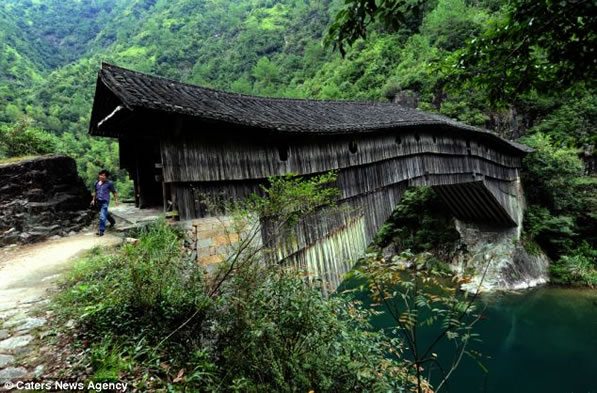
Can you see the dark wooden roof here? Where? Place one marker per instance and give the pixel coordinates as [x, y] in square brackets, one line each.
[133, 90]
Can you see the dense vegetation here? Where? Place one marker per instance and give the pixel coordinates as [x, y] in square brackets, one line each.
[152, 318]
[147, 311]
[428, 52]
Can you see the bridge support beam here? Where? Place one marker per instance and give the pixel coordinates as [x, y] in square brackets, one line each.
[479, 199]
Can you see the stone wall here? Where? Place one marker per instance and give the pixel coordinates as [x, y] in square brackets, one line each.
[212, 239]
[40, 198]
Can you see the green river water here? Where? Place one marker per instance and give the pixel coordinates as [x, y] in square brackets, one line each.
[541, 340]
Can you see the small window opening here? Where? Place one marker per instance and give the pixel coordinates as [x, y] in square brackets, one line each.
[398, 140]
[283, 152]
[352, 147]
[434, 139]
[468, 143]
[417, 137]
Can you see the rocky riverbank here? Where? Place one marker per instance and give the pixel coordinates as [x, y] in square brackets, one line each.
[498, 259]
[494, 259]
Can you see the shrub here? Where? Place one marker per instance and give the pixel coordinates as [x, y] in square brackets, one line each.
[549, 173]
[250, 327]
[426, 297]
[573, 123]
[283, 335]
[578, 268]
[562, 211]
[141, 289]
[21, 139]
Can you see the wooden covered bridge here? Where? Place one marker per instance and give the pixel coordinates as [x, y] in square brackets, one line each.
[178, 141]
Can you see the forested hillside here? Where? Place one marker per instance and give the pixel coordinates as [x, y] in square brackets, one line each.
[19, 61]
[50, 52]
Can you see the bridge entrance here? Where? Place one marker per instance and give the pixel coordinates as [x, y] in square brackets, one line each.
[142, 158]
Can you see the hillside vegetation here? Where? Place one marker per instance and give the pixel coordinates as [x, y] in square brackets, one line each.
[50, 52]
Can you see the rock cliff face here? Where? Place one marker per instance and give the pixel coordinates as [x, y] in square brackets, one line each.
[40, 198]
[498, 259]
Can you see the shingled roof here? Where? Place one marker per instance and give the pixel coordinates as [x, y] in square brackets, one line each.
[135, 90]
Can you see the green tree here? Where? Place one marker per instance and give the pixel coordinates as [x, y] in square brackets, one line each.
[267, 77]
[419, 299]
[538, 45]
[452, 22]
[573, 123]
[535, 45]
[562, 211]
[12, 113]
[419, 223]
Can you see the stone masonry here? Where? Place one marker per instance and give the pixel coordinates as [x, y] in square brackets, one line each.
[211, 238]
[40, 198]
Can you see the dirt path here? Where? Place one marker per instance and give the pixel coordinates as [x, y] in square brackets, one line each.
[26, 274]
[28, 271]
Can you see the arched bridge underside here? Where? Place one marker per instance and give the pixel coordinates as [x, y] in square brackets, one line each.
[180, 142]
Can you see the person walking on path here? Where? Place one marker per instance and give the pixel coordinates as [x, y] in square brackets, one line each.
[103, 188]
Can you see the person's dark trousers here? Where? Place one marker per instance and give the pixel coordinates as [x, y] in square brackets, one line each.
[104, 215]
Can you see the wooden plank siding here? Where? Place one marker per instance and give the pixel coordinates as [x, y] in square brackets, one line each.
[371, 183]
[372, 209]
[221, 170]
[192, 157]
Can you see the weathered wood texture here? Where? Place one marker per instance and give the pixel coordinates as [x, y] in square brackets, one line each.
[474, 178]
[334, 255]
[474, 202]
[372, 209]
[194, 158]
[510, 196]
[223, 170]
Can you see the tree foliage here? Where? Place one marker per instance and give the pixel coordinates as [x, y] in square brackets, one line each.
[530, 45]
[419, 223]
[356, 17]
[562, 211]
[21, 139]
[537, 45]
[419, 299]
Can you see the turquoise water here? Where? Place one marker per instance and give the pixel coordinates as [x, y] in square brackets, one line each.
[542, 340]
